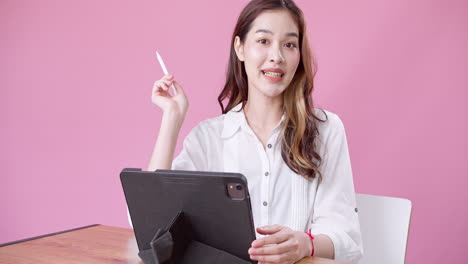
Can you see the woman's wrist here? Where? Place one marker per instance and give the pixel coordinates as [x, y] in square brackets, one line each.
[306, 244]
[311, 243]
[173, 117]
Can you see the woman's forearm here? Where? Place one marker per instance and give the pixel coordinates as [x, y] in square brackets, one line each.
[163, 152]
[324, 247]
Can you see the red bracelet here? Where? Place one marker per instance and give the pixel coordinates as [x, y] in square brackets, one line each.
[312, 242]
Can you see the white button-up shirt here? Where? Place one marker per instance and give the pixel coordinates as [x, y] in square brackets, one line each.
[278, 195]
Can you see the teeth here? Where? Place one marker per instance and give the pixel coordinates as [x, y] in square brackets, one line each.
[273, 74]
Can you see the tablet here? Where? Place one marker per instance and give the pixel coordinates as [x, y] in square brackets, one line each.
[216, 204]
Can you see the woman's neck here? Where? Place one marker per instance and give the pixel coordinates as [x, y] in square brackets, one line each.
[263, 113]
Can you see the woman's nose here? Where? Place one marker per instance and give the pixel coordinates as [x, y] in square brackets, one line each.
[276, 55]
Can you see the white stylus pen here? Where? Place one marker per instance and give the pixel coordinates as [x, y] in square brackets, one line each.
[163, 66]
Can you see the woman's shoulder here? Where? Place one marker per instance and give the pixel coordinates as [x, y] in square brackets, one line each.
[210, 127]
[329, 121]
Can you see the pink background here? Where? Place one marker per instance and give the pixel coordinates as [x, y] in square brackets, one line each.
[75, 105]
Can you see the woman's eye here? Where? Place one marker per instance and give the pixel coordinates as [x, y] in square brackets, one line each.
[263, 41]
[290, 45]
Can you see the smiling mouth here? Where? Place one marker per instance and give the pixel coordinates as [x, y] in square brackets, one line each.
[273, 74]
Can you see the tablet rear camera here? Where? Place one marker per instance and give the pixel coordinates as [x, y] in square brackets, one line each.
[236, 191]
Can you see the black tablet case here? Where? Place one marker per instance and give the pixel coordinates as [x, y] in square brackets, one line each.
[187, 216]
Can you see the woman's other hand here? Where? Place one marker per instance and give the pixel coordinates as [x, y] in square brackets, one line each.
[281, 245]
[160, 96]
[174, 109]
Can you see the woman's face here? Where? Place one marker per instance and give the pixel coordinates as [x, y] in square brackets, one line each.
[270, 52]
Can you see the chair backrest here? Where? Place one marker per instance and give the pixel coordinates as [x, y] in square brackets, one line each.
[384, 227]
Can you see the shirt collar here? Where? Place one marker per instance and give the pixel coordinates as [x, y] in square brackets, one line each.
[235, 119]
[232, 121]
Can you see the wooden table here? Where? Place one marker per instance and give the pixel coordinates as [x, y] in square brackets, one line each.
[90, 244]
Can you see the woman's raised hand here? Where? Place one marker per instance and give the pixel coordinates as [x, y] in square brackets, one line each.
[160, 96]
[174, 108]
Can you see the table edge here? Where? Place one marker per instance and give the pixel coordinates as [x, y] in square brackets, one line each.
[46, 235]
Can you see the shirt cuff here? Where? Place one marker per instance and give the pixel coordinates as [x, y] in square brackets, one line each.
[345, 249]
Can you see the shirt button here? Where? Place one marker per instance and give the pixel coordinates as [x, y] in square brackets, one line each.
[269, 145]
[265, 203]
[355, 210]
[266, 173]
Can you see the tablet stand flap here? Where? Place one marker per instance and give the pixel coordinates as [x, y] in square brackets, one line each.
[201, 253]
[163, 247]
[175, 245]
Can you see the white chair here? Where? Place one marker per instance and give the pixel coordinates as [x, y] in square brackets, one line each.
[384, 228]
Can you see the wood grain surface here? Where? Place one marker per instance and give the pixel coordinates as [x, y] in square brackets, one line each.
[94, 244]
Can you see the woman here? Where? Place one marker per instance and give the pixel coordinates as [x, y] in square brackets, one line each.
[295, 157]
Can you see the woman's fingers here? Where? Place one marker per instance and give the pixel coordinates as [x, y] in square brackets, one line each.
[166, 98]
[159, 91]
[157, 85]
[275, 238]
[285, 252]
[178, 88]
[280, 258]
[161, 85]
[167, 83]
[164, 83]
[283, 247]
[269, 229]
[295, 246]
[168, 77]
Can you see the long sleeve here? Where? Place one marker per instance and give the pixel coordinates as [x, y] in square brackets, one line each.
[193, 154]
[335, 213]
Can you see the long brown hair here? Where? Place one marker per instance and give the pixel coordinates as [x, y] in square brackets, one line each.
[299, 129]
